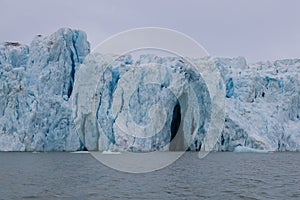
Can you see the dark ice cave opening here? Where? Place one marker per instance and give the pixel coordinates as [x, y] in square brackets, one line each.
[177, 143]
[176, 119]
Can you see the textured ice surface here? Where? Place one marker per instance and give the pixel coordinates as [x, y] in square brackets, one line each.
[262, 104]
[118, 114]
[37, 96]
[35, 86]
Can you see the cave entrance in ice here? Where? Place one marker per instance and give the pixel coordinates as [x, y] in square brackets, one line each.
[177, 135]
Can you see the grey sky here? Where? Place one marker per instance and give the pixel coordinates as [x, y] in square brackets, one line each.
[256, 29]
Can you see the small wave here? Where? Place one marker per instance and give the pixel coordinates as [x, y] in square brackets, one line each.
[241, 149]
[80, 152]
[111, 152]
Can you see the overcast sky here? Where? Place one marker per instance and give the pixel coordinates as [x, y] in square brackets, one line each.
[256, 29]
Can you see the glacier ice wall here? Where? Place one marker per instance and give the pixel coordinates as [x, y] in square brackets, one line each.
[36, 82]
[117, 114]
[262, 104]
[37, 95]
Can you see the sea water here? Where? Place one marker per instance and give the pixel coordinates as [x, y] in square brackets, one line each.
[217, 176]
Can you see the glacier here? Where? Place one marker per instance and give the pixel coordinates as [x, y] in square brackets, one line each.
[166, 88]
[36, 82]
[39, 97]
[262, 104]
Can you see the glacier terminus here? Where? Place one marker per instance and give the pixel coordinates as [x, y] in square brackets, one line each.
[39, 109]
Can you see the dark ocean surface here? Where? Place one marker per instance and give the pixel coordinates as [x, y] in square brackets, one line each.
[217, 176]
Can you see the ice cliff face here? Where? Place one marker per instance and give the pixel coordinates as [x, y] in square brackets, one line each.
[39, 100]
[117, 114]
[35, 86]
[262, 104]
